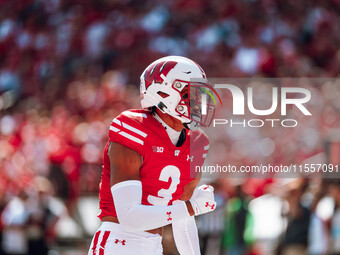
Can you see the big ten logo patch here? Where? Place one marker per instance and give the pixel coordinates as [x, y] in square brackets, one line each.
[157, 149]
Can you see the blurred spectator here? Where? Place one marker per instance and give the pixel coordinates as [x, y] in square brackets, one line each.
[42, 220]
[318, 238]
[295, 238]
[238, 232]
[335, 222]
[14, 219]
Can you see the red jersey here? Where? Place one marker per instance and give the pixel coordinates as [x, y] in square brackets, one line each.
[165, 169]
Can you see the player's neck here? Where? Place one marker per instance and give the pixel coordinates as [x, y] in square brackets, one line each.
[170, 121]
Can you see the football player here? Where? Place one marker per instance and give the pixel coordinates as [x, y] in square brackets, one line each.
[146, 180]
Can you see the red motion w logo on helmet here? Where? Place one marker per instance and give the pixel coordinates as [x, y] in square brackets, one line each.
[153, 73]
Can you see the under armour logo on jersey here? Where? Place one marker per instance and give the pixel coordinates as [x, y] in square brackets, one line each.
[191, 158]
[211, 205]
[120, 241]
[177, 152]
[157, 149]
[169, 216]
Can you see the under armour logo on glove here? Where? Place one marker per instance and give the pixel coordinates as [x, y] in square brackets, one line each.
[120, 241]
[211, 205]
[202, 200]
[169, 215]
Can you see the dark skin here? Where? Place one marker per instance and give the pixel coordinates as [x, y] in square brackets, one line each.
[125, 164]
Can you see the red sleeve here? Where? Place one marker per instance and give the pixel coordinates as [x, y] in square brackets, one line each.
[203, 150]
[199, 147]
[128, 131]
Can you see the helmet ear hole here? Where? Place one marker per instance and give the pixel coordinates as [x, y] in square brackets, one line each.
[162, 94]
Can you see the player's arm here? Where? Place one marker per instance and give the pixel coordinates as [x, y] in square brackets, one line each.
[127, 194]
[185, 230]
[190, 187]
[124, 163]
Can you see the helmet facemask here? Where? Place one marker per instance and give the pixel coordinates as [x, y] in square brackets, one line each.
[197, 105]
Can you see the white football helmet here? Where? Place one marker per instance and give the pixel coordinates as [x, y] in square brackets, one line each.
[175, 85]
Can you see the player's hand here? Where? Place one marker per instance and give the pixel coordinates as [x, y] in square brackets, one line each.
[202, 200]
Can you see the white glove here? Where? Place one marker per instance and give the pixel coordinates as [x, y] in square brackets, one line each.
[202, 200]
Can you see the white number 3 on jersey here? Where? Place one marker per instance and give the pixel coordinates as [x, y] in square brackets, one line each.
[165, 195]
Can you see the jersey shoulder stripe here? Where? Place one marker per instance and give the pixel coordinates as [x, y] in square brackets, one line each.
[127, 129]
[128, 136]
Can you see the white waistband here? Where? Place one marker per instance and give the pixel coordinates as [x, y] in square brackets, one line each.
[111, 226]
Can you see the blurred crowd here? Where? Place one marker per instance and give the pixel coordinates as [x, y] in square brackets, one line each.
[46, 44]
[294, 217]
[68, 67]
